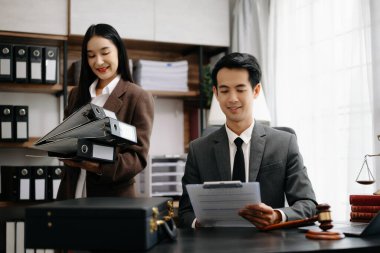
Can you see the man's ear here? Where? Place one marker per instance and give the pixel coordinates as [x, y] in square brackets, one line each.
[215, 91]
[256, 90]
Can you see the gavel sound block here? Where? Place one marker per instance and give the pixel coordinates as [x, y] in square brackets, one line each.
[323, 217]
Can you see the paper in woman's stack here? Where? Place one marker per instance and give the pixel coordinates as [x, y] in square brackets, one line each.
[90, 133]
[162, 76]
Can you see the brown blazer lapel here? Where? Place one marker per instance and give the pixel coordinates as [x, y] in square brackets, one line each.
[114, 102]
[257, 151]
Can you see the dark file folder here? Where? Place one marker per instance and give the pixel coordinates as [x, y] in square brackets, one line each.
[21, 61]
[24, 183]
[35, 65]
[6, 123]
[55, 174]
[79, 149]
[90, 150]
[39, 183]
[85, 114]
[9, 183]
[107, 130]
[6, 64]
[21, 122]
[51, 64]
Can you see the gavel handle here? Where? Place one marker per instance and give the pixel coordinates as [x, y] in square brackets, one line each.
[290, 224]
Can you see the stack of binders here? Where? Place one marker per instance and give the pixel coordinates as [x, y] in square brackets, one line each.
[91, 133]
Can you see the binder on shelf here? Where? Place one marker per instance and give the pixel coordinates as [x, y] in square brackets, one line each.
[85, 114]
[21, 62]
[107, 130]
[21, 122]
[6, 58]
[35, 64]
[20, 237]
[55, 174]
[39, 178]
[9, 216]
[51, 63]
[10, 235]
[24, 183]
[9, 183]
[6, 119]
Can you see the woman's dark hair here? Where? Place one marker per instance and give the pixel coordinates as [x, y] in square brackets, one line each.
[238, 61]
[87, 77]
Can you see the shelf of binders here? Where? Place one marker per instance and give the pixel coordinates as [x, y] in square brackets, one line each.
[34, 39]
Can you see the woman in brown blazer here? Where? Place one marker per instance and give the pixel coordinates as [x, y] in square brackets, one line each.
[105, 80]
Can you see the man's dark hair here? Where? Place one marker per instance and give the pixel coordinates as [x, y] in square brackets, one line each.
[238, 61]
[87, 77]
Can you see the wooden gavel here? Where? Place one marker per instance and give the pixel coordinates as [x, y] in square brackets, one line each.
[323, 217]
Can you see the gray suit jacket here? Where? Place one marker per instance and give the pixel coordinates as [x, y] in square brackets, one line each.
[274, 161]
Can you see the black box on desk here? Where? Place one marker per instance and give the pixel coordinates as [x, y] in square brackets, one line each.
[113, 223]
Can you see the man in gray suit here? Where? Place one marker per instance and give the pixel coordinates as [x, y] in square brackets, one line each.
[245, 150]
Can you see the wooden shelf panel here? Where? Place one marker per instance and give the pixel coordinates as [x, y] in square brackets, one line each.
[33, 35]
[174, 94]
[31, 88]
[27, 144]
[156, 46]
[166, 94]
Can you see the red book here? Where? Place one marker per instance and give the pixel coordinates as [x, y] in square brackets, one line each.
[365, 200]
[366, 209]
[360, 220]
[362, 215]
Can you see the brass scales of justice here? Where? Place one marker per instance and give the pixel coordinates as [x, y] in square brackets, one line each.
[368, 178]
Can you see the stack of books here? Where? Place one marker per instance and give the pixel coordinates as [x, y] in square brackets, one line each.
[364, 207]
[163, 76]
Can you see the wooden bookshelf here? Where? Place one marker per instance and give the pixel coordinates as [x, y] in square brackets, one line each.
[33, 36]
[31, 88]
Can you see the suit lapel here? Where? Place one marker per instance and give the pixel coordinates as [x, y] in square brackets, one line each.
[114, 102]
[222, 155]
[257, 150]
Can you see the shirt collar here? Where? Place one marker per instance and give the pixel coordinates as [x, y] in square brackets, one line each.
[106, 90]
[245, 135]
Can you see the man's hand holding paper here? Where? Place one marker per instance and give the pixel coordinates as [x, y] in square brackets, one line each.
[260, 215]
[217, 204]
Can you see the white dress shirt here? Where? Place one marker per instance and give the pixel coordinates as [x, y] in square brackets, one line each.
[80, 191]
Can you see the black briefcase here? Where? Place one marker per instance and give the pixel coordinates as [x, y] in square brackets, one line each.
[127, 224]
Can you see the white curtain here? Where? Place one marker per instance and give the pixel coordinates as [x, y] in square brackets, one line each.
[375, 39]
[320, 64]
[249, 31]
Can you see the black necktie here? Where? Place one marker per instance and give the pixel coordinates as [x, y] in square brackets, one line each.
[239, 167]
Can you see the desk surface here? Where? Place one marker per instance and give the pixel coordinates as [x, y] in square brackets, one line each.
[210, 240]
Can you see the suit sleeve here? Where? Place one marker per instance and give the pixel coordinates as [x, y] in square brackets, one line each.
[191, 176]
[298, 189]
[132, 159]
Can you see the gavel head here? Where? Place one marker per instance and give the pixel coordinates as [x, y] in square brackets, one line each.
[324, 217]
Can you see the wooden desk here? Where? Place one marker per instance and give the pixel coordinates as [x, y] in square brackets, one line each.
[241, 240]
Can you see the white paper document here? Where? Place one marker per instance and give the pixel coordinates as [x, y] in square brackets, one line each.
[216, 204]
